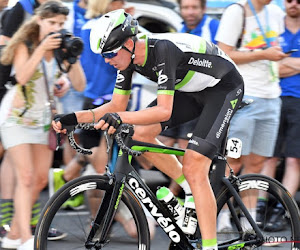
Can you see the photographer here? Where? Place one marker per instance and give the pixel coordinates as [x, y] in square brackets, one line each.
[25, 128]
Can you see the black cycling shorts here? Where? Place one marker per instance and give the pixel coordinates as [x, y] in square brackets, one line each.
[214, 108]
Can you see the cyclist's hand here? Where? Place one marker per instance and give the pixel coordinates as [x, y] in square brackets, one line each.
[63, 123]
[110, 121]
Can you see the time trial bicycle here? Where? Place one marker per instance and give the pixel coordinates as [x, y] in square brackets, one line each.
[126, 185]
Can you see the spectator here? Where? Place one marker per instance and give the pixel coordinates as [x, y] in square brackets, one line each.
[19, 13]
[73, 100]
[24, 129]
[3, 12]
[3, 203]
[79, 7]
[257, 124]
[288, 140]
[198, 23]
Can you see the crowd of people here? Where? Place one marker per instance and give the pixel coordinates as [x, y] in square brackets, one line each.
[261, 42]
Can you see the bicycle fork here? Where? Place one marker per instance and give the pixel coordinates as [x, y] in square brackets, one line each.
[106, 213]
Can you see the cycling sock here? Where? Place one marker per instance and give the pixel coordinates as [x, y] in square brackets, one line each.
[209, 244]
[35, 213]
[184, 184]
[6, 211]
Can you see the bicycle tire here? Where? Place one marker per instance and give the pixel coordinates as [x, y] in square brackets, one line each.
[286, 238]
[53, 214]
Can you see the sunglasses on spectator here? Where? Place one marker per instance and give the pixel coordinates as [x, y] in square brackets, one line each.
[289, 1]
[111, 54]
[57, 9]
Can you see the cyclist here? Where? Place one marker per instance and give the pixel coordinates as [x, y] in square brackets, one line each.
[195, 79]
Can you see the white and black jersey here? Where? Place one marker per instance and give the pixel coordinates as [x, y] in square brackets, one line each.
[180, 62]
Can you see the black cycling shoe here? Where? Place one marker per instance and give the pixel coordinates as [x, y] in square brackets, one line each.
[261, 213]
[277, 221]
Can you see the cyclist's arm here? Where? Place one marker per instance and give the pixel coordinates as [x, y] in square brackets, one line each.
[118, 103]
[160, 113]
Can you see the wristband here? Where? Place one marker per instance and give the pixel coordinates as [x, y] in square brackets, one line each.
[93, 115]
[67, 120]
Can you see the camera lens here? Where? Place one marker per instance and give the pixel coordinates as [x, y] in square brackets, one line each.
[75, 46]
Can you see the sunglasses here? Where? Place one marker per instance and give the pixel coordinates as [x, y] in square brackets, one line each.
[57, 9]
[111, 54]
[289, 1]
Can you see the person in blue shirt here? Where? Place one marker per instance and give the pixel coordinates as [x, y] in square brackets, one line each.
[288, 139]
[79, 8]
[198, 23]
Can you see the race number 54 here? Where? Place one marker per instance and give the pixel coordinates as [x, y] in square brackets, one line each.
[234, 148]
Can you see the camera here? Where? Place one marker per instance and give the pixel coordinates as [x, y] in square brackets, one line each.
[70, 48]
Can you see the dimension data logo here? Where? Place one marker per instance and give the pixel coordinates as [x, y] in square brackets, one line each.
[201, 63]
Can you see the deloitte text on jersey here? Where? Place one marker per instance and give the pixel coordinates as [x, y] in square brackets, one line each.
[200, 63]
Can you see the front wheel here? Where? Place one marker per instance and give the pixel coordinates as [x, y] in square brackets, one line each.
[129, 226]
[271, 206]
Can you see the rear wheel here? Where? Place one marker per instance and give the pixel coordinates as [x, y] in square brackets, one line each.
[272, 208]
[130, 224]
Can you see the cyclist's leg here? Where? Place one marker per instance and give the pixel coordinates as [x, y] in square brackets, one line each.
[219, 105]
[184, 109]
[195, 169]
[168, 164]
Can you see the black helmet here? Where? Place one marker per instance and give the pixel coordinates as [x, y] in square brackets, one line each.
[112, 30]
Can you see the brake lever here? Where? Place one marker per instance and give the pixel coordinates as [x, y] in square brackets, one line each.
[58, 141]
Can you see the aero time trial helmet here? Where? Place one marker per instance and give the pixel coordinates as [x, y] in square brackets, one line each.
[112, 30]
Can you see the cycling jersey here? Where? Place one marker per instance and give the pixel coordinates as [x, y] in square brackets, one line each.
[205, 83]
[180, 62]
